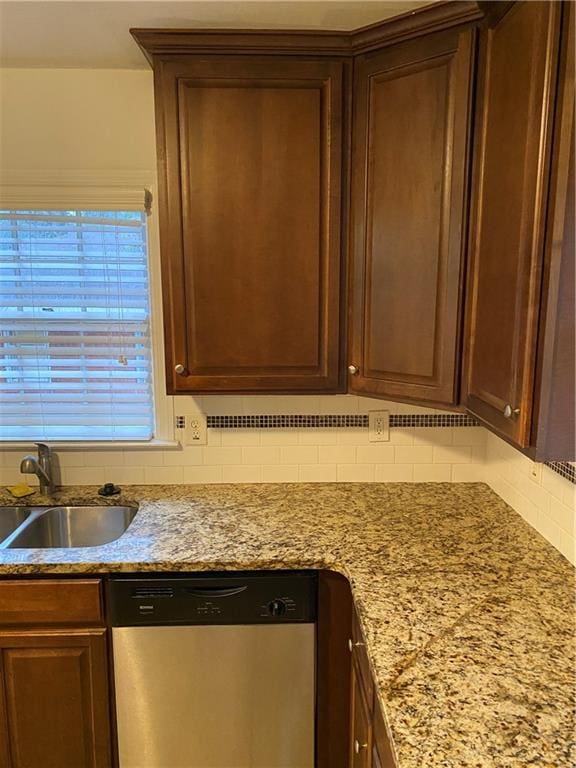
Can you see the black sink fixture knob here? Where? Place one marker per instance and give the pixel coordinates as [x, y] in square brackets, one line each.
[109, 489]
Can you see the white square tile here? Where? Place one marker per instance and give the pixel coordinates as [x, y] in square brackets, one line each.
[129, 476]
[279, 437]
[394, 473]
[352, 436]
[401, 436]
[432, 473]
[214, 438]
[355, 473]
[418, 454]
[242, 437]
[317, 473]
[298, 454]
[261, 455]
[468, 473]
[280, 473]
[164, 475]
[242, 474]
[202, 474]
[220, 456]
[144, 458]
[375, 454]
[554, 483]
[433, 435]
[97, 458]
[458, 454]
[183, 457]
[337, 454]
[562, 515]
[312, 436]
[71, 458]
[12, 476]
[469, 436]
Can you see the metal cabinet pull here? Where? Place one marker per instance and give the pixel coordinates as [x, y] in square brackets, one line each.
[509, 412]
[358, 746]
[352, 644]
[180, 369]
[353, 370]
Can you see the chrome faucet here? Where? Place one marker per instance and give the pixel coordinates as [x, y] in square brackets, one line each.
[41, 467]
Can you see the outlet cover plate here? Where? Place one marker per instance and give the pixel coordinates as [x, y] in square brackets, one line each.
[378, 426]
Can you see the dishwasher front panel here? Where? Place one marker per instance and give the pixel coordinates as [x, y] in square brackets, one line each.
[237, 696]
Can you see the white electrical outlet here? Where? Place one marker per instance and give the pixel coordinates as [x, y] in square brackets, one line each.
[195, 431]
[536, 472]
[378, 426]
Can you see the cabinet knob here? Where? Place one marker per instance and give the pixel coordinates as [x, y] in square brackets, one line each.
[509, 412]
[352, 644]
[180, 369]
[353, 370]
[358, 746]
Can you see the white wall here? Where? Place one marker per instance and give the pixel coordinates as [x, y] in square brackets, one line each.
[54, 119]
[103, 120]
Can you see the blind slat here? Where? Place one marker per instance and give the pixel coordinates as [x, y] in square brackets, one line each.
[75, 357]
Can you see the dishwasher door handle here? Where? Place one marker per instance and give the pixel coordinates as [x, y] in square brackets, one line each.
[214, 591]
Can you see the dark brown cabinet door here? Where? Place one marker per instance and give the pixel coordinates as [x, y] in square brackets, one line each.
[250, 153]
[361, 730]
[54, 709]
[410, 150]
[512, 152]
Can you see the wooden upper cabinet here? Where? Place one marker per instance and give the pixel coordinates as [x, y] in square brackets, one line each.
[250, 162]
[409, 192]
[518, 67]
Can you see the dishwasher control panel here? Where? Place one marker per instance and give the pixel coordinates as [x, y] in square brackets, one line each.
[230, 598]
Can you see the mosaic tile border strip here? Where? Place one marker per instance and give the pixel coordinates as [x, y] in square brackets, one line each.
[336, 421]
[563, 468]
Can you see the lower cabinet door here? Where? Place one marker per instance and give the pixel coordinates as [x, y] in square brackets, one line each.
[361, 736]
[54, 701]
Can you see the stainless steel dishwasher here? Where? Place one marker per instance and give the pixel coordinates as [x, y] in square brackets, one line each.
[215, 671]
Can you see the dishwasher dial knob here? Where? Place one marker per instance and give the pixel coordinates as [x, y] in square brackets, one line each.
[277, 608]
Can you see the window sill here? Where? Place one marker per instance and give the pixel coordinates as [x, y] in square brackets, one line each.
[103, 445]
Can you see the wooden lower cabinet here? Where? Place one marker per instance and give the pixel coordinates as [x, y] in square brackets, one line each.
[54, 693]
[370, 745]
[360, 717]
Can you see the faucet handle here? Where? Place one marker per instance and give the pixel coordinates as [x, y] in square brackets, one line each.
[43, 449]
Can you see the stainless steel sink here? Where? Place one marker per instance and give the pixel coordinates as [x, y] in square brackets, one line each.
[88, 526]
[12, 518]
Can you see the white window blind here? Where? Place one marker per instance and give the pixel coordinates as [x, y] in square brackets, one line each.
[75, 357]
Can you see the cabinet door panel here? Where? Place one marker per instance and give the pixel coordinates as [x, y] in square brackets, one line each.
[55, 699]
[410, 147]
[251, 222]
[518, 72]
[361, 737]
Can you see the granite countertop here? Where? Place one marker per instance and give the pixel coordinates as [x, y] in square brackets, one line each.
[467, 613]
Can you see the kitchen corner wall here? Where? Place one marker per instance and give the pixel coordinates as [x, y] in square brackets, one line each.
[101, 119]
[542, 497]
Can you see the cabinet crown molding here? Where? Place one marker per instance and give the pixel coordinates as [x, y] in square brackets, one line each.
[432, 18]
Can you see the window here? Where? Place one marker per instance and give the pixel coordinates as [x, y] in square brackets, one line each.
[75, 351]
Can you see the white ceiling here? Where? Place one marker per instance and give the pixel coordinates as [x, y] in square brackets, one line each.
[94, 33]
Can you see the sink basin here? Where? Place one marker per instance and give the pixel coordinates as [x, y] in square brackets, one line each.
[73, 527]
[11, 518]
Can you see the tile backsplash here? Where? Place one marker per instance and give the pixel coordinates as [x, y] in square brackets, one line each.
[289, 439]
[268, 439]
